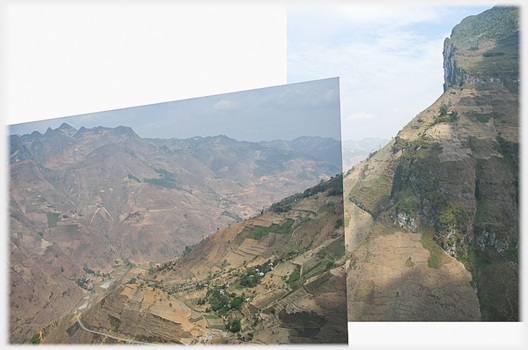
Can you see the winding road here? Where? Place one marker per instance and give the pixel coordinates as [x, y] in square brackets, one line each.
[110, 335]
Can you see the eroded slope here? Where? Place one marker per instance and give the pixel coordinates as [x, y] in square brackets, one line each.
[273, 279]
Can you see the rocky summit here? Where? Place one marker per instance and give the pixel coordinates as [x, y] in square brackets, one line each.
[433, 217]
[86, 205]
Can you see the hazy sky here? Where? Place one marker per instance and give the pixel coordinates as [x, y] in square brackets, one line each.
[388, 58]
[283, 112]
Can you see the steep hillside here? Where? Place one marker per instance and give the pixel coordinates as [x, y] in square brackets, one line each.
[354, 152]
[86, 202]
[273, 279]
[433, 217]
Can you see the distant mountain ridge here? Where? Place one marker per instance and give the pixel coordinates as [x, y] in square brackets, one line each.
[327, 149]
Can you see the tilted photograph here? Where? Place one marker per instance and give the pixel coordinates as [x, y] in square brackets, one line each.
[214, 220]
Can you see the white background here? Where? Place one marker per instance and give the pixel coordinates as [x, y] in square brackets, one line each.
[61, 58]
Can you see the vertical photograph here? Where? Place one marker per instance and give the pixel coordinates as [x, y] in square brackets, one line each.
[430, 130]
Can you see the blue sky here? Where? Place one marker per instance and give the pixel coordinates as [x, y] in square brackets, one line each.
[388, 58]
[283, 112]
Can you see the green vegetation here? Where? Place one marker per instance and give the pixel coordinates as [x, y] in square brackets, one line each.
[371, 194]
[512, 253]
[409, 263]
[188, 249]
[169, 265]
[35, 339]
[372, 154]
[491, 54]
[445, 115]
[53, 218]
[253, 275]
[234, 326]
[88, 270]
[114, 322]
[334, 251]
[334, 186]
[128, 263]
[221, 301]
[438, 257]
[365, 241]
[168, 180]
[364, 290]
[82, 282]
[284, 228]
[483, 118]
[317, 269]
[500, 27]
[295, 276]
[495, 24]
[132, 215]
[257, 232]
[413, 180]
[150, 339]
[453, 217]
[389, 229]
[132, 177]
[469, 256]
[233, 216]
[498, 289]
[72, 229]
[224, 302]
[407, 204]
[510, 151]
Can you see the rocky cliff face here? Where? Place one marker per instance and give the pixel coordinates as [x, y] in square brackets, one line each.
[451, 175]
[484, 49]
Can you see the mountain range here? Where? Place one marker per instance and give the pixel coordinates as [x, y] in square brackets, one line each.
[96, 199]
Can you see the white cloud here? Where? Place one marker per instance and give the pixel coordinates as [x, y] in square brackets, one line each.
[388, 58]
[331, 95]
[224, 104]
[394, 16]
